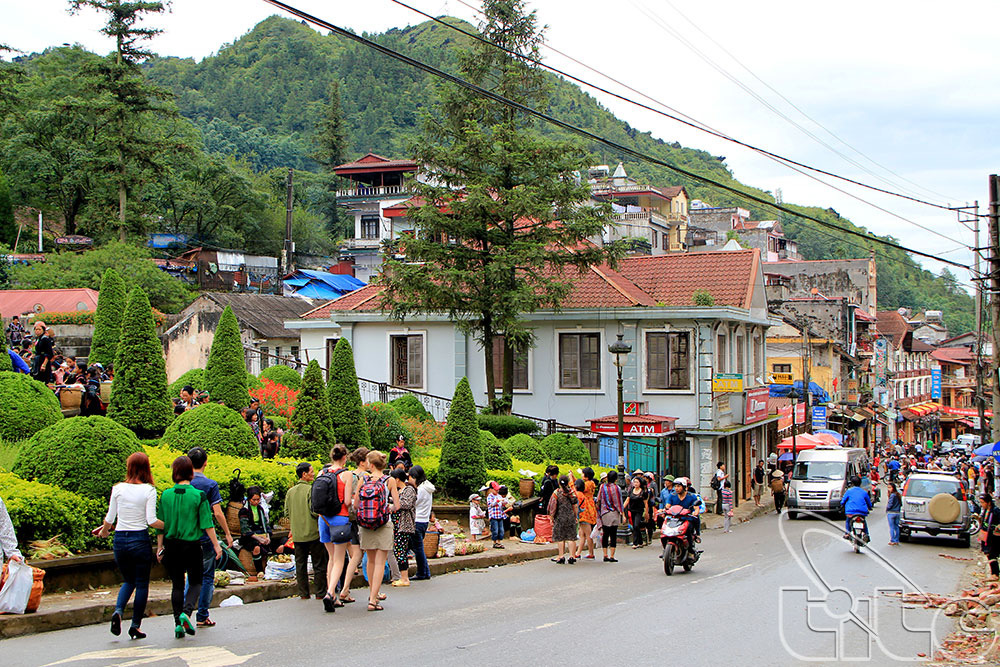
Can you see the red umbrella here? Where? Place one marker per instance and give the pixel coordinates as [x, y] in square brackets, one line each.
[803, 441]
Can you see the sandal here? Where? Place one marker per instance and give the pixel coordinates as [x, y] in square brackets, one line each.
[374, 607]
[347, 600]
[382, 597]
[207, 623]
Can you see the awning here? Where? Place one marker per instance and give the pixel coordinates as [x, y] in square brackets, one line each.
[802, 441]
[966, 422]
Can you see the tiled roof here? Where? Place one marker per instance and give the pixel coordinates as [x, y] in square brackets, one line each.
[673, 190]
[265, 313]
[954, 355]
[891, 323]
[23, 301]
[373, 161]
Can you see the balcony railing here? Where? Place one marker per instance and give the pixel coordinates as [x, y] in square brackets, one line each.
[372, 191]
[362, 243]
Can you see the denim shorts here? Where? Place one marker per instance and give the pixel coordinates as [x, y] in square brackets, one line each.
[325, 523]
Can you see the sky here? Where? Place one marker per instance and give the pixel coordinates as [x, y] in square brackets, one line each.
[912, 89]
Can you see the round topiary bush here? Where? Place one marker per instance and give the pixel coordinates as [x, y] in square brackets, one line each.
[282, 375]
[525, 448]
[214, 427]
[565, 448]
[497, 458]
[409, 405]
[384, 426]
[26, 406]
[194, 377]
[85, 455]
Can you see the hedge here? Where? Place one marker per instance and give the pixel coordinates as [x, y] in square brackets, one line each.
[26, 406]
[40, 511]
[462, 462]
[85, 455]
[494, 454]
[82, 317]
[194, 377]
[111, 302]
[409, 405]
[384, 426]
[226, 370]
[565, 448]
[347, 414]
[282, 374]
[214, 427]
[504, 426]
[526, 448]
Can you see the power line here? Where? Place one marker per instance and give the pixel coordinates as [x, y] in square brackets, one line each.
[639, 155]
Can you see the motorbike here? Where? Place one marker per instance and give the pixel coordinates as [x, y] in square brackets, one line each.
[677, 539]
[858, 537]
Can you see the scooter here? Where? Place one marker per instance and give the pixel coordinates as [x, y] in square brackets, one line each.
[858, 536]
[677, 538]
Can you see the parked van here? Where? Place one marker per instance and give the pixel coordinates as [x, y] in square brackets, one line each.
[969, 442]
[822, 475]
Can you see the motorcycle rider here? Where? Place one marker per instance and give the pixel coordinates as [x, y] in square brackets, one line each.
[856, 502]
[688, 501]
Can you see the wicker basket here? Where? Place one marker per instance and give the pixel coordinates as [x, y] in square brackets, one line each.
[246, 558]
[431, 544]
[69, 398]
[526, 488]
[233, 517]
[284, 523]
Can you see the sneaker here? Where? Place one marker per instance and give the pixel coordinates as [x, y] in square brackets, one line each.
[590, 557]
[612, 560]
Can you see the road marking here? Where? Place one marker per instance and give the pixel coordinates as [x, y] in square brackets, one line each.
[538, 627]
[722, 574]
[195, 656]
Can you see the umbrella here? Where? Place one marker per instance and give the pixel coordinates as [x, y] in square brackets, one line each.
[837, 436]
[827, 439]
[230, 561]
[803, 441]
[986, 450]
[787, 456]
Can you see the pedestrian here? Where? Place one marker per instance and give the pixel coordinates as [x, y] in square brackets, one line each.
[16, 332]
[477, 517]
[199, 459]
[612, 513]
[8, 538]
[778, 490]
[400, 453]
[332, 498]
[304, 527]
[495, 512]
[131, 512]
[989, 534]
[727, 506]
[564, 508]
[893, 506]
[421, 518]
[720, 476]
[255, 529]
[759, 477]
[588, 514]
[402, 522]
[186, 516]
[375, 502]
[637, 506]
[44, 353]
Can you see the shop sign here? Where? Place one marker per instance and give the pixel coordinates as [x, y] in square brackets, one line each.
[727, 383]
[755, 408]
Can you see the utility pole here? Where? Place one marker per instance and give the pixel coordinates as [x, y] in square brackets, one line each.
[994, 293]
[287, 251]
[980, 399]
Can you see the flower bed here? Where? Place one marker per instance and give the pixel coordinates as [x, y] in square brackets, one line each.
[275, 399]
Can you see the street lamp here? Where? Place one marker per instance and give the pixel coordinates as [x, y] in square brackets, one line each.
[621, 350]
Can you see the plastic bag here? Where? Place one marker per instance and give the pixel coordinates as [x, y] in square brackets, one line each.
[276, 571]
[16, 589]
[232, 601]
[528, 536]
[447, 543]
[595, 534]
[386, 577]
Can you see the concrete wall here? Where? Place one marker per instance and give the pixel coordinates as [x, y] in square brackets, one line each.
[853, 279]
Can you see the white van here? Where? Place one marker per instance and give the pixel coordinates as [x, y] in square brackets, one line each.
[969, 442]
[822, 475]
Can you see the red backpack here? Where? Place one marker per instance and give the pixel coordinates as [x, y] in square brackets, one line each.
[373, 503]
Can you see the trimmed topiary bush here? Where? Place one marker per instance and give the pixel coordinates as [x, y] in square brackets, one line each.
[346, 409]
[463, 465]
[409, 405]
[139, 392]
[312, 435]
[111, 303]
[40, 511]
[494, 454]
[281, 374]
[26, 406]
[194, 377]
[214, 427]
[5, 363]
[253, 382]
[384, 426]
[504, 426]
[85, 455]
[525, 448]
[565, 448]
[226, 370]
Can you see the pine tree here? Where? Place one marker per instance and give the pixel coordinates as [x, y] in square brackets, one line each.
[346, 413]
[463, 464]
[312, 432]
[108, 318]
[226, 371]
[139, 399]
[8, 226]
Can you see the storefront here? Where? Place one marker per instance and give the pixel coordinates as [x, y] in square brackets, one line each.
[646, 442]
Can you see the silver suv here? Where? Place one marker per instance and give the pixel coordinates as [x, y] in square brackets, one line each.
[921, 488]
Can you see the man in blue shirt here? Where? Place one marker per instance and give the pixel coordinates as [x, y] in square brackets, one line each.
[689, 501]
[893, 467]
[856, 502]
[199, 458]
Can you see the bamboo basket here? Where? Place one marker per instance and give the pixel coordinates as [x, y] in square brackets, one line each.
[431, 544]
[246, 558]
[69, 398]
[526, 488]
[233, 517]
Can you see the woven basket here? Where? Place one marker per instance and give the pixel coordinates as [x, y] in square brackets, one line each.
[69, 398]
[526, 487]
[233, 517]
[247, 560]
[431, 544]
[284, 523]
[106, 391]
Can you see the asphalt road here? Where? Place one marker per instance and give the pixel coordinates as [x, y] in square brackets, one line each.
[758, 596]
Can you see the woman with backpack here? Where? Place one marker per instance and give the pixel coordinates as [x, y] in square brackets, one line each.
[333, 493]
[375, 501]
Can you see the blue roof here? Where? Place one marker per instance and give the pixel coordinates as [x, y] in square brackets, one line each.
[323, 285]
[338, 281]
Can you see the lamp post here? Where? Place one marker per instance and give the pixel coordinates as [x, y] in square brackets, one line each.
[620, 349]
[794, 395]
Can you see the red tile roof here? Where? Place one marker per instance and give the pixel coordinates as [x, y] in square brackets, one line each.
[373, 162]
[22, 301]
[954, 355]
[891, 323]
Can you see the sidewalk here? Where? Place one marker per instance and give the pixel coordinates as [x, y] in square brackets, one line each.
[745, 511]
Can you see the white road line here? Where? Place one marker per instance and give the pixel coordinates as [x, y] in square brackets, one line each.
[722, 574]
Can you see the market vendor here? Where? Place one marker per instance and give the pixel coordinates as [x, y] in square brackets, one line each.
[255, 529]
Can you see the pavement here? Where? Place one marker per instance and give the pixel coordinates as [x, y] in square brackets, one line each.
[774, 591]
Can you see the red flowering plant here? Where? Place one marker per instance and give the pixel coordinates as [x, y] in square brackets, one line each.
[275, 399]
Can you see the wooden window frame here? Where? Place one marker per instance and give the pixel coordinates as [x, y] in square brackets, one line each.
[557, 358]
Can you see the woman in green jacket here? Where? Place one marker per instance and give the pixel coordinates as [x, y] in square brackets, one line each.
[186, 515]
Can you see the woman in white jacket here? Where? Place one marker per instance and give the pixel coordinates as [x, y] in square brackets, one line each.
[425, 498]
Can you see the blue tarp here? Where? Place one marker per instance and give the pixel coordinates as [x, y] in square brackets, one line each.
[782, 390]
[322, 285]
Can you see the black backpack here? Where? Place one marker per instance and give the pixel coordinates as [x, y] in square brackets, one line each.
[715, 483]
[326, 494]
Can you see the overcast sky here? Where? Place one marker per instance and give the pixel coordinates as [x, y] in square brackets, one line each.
[911, 86]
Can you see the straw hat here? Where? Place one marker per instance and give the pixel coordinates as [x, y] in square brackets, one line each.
[777, 474]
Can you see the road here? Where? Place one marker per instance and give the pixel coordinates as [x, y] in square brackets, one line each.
[738, 606]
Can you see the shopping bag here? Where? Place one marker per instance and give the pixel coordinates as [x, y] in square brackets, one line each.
[16, 589]
[447, 543]
[595, 534]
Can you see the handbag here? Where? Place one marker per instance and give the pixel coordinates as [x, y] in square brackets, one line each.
[338, 534]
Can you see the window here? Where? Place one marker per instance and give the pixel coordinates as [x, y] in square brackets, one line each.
[520, 366]
[781, 368]
[407, 354]
[721, 362]
[667, 361]
[264, 360]
[758, 356]
[277, 354]
[656, 238]
[330, 344]
[740, 353]
[369, 226]
[579, 361]
[665, 241]
[295, 355]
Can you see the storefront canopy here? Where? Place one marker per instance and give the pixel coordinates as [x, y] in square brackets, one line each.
[802, 441]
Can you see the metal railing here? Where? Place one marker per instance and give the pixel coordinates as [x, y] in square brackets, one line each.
[373, 191]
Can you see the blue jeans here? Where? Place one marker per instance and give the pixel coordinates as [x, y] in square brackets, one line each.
[417, 546]
[207, 579]
[893, 518]
[134, 556]
[496, 529]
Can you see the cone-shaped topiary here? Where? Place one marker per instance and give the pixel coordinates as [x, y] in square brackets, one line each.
[139, 399]
[85, 455]
[525, 448]
[565, 448]
[282, 374]
[26, 406]
[346, 413]
[214, 427]
[463, 466]
[226, 371]
[494, 454]
[5, 363]
[312, 435]
[111, 302]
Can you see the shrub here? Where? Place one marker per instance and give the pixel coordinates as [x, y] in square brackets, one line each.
[494, 454]
[111, 302]
[26, 406]
[462, 462]
[281, 374]
[194, 377]
[275, 399]
[565, 448]
[313, 434]
[5, 363]
[85, 455]
[504, 426]
[424, 434]
[384, 426]
[253, 382]
[346, 412]
[226, 370]
[409, 405]
[279, 421]
[526, 448]
[214, 427]
[40, 511]
[506, 478]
